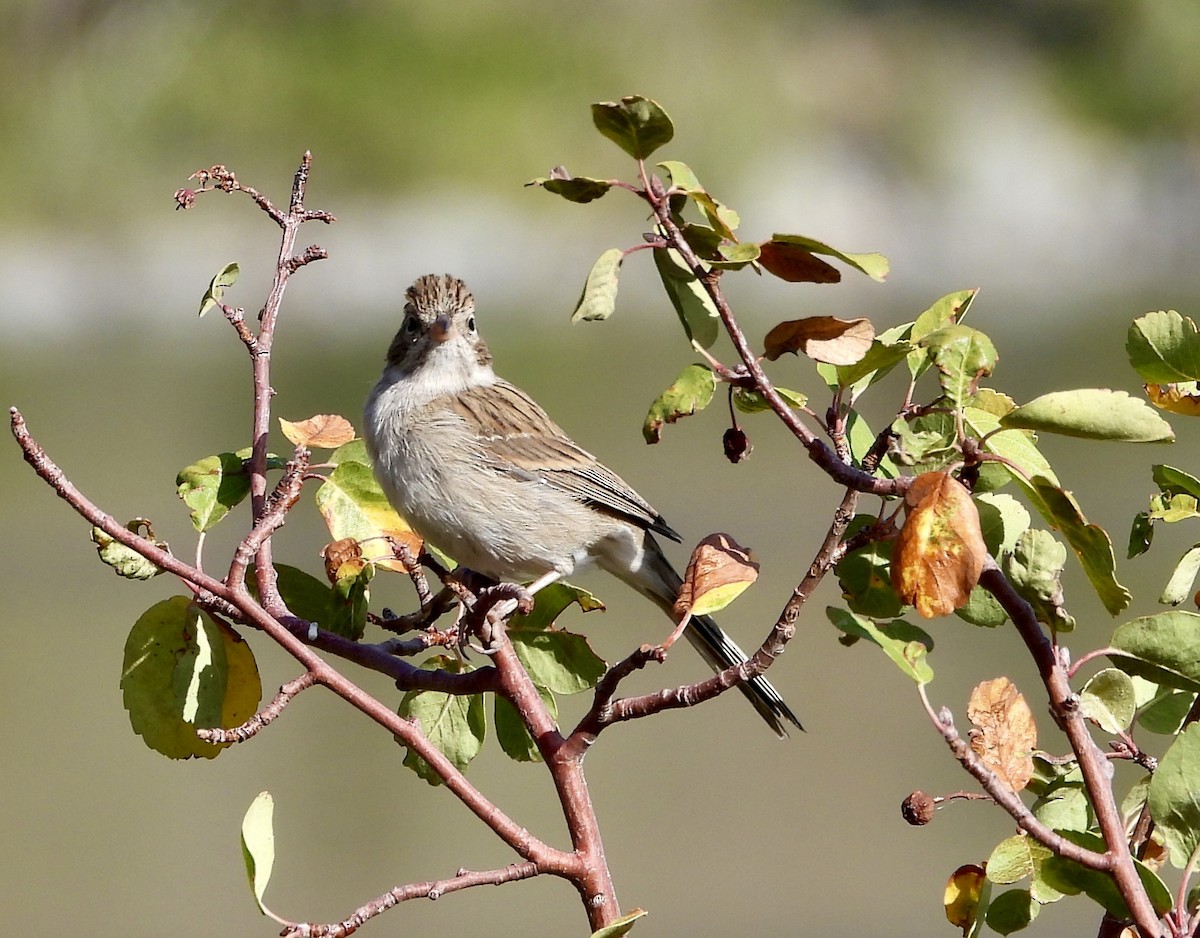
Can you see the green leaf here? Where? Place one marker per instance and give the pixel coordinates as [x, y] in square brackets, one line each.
[513, 734]
[736, 256]
[636, 124]
[184, 670]
[353, 505]
[1179, 587]
[907, 645]
[691, 391]
[1164, 648]
[354, 451]
[212, 486]
[1165, 714]
[126, 561]
[598, 300]
[1011, 911]
[1174, 797]
[305, 595]
[456, 724]
[1018, 447]
[1092, 414]
[864, 577]
[947, 311]
[1015, 858]
[258, 846]
[1174, 481]
[691, 301]
[963, 355]
[351, 597]
[1164, 348]
[1108, 698]
[883, 355]
[1065, 808]
[752, 402]
[1089, 541]
[874, 266]
[681, 176]
[1071, 878]
[578, 189]
[226, 277]
[1002, 520]
[552, 601]
[558, 660]
[621, 926]
[982, 609]
[1035, 568]
[1141, 535]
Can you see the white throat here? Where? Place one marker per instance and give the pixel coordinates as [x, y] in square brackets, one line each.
[447, 369]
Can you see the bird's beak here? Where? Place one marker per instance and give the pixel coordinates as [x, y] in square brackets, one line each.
[443, 329]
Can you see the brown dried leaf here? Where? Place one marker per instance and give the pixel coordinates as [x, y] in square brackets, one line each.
[794, 264]
[1007, 735]
[337, 553]
[940, 552]
[822, 338]
[718, 571]
[324, 431]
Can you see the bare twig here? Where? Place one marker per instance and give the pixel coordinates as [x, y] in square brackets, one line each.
[239, 734]
[435, 889]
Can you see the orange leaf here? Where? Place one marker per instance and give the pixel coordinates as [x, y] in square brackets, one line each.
[940, 552]
[794, 264]
[961, 898]
[717, 572]
[1006, 734]
[823, 338]
[324, 431]
[1183, 398]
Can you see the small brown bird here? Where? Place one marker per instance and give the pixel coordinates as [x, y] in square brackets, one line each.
[479, 469]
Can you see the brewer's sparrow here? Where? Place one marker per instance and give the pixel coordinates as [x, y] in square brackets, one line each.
[480, 470]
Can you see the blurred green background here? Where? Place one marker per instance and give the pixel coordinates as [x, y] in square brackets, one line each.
[1045, 151]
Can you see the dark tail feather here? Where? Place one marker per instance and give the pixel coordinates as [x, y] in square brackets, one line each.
[721, 652]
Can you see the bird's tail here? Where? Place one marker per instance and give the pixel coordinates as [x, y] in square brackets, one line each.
[657, 580]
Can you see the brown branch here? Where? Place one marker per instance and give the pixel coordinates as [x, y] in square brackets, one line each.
[252, 613]
[463, 879]
[1064, 705]
[239, 734]
[842, 472]
[1008, 799]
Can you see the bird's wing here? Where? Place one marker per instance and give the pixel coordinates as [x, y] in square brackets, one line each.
[519, 438]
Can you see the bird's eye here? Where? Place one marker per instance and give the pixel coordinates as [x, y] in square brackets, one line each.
[471, 324]
[411, 325]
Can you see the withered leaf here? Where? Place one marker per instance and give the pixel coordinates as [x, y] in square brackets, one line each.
[717, 573]
[1182, 398]
[940, 552]
[1006, 734]
[793, 263]
[339, 552]
[822, 338]
[323, 431]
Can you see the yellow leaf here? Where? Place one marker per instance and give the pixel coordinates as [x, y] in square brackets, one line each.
[961, 898]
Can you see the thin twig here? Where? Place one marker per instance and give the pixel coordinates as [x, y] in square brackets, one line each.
[432, 890]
